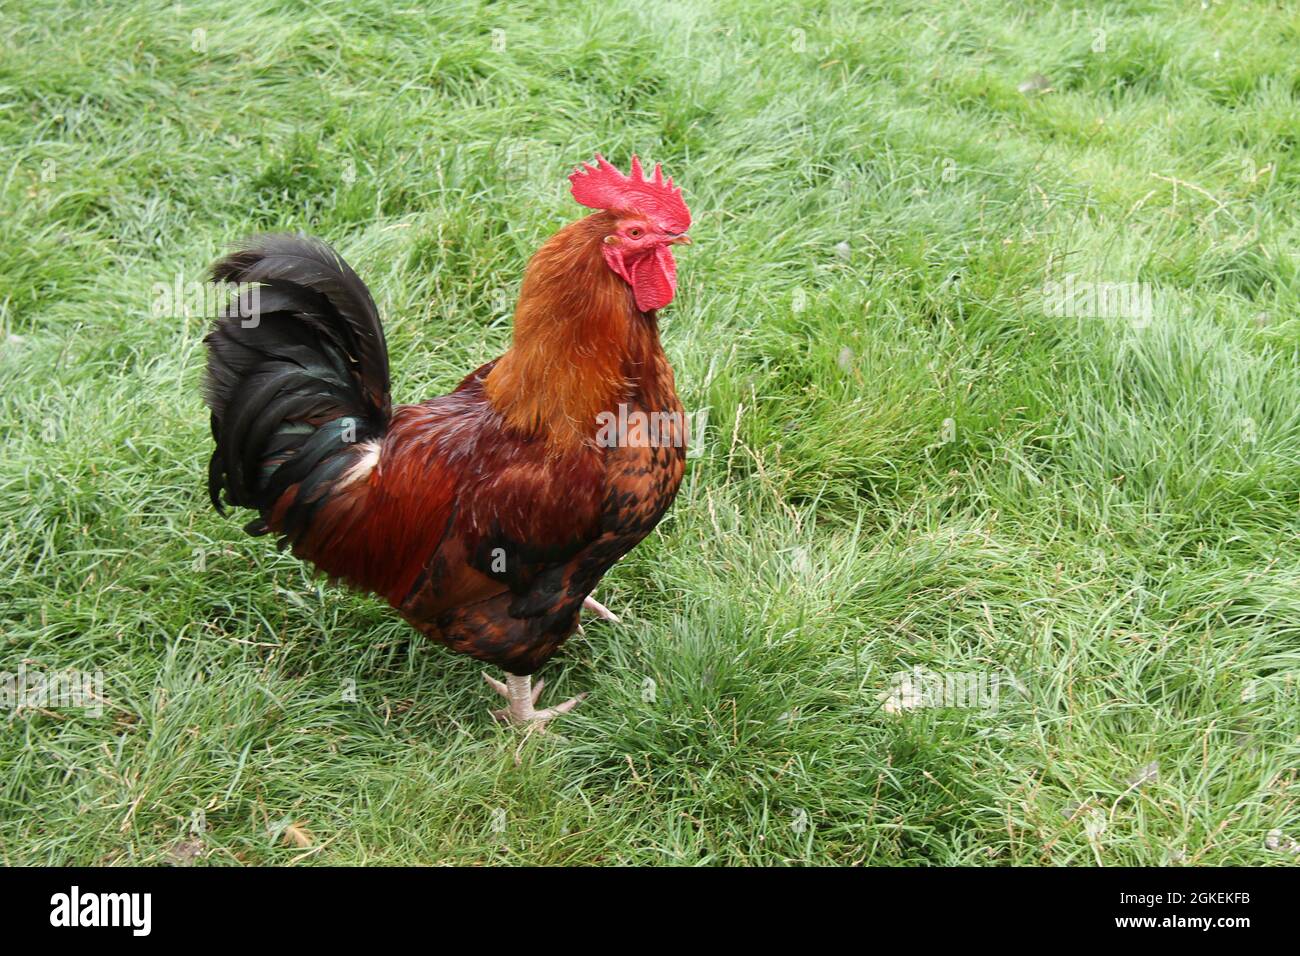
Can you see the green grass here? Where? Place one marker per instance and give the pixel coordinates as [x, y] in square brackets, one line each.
[1109, 514]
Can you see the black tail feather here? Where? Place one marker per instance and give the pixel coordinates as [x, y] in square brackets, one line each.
[297, 376]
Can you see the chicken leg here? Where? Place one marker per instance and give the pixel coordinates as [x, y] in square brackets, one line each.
[523, 700]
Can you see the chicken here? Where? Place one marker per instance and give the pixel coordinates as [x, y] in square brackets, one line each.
[486, 516]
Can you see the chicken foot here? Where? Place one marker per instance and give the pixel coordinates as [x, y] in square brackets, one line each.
[523, 700]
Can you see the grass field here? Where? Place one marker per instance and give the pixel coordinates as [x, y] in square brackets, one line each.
[913, 460]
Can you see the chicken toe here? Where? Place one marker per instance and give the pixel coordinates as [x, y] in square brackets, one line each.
[598, 609]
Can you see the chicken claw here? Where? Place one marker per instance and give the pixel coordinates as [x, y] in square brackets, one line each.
[523, 698]
[598, 609]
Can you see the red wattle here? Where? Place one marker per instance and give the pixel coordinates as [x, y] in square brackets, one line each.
[654, 279]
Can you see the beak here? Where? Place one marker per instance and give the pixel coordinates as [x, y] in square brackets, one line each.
[680, 239]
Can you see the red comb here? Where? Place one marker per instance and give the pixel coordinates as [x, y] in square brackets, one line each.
[603, 187]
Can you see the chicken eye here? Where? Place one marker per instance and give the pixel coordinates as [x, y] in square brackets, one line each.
[634, 232]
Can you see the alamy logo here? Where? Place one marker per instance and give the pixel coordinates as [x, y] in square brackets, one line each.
[213, 300]
[638, 429]
[969, 690]
[56, 690]
[1077, 298]
[103, 909]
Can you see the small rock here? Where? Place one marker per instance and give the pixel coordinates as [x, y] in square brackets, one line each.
[184, 852]
[1094, 824]
[1144, 774]
[1279, 842]
[1035, 84]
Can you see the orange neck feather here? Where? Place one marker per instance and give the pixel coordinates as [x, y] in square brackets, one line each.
[577, 333]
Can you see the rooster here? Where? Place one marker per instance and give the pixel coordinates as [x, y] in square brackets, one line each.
[486, 516]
